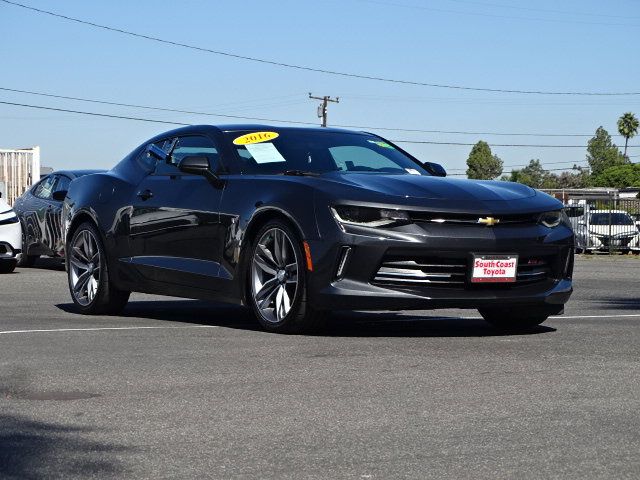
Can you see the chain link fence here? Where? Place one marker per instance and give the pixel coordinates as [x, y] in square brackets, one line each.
[603, 221]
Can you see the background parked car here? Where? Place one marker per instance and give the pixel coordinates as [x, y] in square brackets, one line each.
[39, 210]
[602, 229]
[10, 238]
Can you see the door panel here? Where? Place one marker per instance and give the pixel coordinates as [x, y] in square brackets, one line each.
[175, 227]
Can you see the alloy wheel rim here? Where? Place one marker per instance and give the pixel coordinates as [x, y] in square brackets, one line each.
[84, 267]
[274, 275]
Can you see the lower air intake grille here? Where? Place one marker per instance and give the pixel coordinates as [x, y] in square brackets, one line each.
[450, 272]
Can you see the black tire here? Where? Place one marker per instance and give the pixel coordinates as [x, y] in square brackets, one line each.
[519, 318]
[7, 266]
[27, 260]
[301, 318]
[107, 299]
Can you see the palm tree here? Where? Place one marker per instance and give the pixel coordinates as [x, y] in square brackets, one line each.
[628, 127]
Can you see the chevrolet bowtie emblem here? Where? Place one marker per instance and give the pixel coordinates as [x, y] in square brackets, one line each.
[489, 221]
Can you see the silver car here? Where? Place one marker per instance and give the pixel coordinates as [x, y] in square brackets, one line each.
[602, 230]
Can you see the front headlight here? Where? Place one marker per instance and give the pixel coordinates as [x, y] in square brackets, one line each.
[553, 219]
[369, 217]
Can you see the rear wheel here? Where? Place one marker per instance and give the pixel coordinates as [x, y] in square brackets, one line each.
[522, 318]
[28, 260]
[7, 266]
[277, 281]
[89, 284]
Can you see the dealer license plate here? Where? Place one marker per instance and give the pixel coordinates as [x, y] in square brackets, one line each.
[494, 268]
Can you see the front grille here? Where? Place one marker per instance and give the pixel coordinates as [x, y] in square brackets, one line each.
[470, 219]
[453, 272]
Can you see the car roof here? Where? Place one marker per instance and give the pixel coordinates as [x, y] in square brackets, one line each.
[200, 129]
[76, 173]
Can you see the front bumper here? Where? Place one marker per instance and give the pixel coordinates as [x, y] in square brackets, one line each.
[10, 238]
[361, 287]
[8, 253]
[620, 242]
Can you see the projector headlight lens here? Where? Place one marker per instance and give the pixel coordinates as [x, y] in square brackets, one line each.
[552, 219]
[369, 217]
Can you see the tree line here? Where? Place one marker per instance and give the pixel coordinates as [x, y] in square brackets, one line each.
[608, 166]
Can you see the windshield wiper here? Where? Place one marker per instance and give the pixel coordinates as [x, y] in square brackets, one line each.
[300, 173]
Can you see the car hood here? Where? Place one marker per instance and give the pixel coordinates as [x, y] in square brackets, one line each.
[436, 188]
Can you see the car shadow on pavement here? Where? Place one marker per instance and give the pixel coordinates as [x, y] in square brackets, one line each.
[620, 303]
[402, 324]
[46, 263]
[35, 449]
[338, 324]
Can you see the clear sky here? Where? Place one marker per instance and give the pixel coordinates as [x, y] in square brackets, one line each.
[543, 45]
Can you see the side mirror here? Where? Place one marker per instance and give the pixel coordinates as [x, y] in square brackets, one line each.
[157, 152]
[59, 196]
[435, 169]
[199, 165]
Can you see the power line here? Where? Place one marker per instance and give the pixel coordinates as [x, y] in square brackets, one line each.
[148, 107]
[495, 15]
[429, 142]
[307, 68]
[93, 114]
[213, 114]
[535, 9]
[140, 119]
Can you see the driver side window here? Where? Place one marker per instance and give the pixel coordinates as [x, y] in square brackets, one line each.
[178, 148]
[197, 146]
[44, 189]
[63, 183]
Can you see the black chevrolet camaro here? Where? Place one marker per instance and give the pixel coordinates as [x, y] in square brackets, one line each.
[297, 222]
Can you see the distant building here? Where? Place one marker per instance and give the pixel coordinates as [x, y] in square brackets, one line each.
[19, 169]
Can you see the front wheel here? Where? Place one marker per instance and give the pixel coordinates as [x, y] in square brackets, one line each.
[522, 318]
[277, 287]
[89, 284]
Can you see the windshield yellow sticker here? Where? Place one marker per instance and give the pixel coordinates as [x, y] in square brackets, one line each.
[381, 144]
[255, 137]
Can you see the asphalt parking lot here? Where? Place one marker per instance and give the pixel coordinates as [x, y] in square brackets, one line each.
[188, 389]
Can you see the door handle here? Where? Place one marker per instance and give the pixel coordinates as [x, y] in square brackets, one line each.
[145, 194]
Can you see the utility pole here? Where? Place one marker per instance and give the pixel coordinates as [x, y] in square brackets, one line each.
[323, 107]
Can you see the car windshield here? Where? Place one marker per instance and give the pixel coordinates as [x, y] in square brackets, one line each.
[316, 152]
[606, 218]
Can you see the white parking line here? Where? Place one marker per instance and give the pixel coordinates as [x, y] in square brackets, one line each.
[96, 329]
[560, 317]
